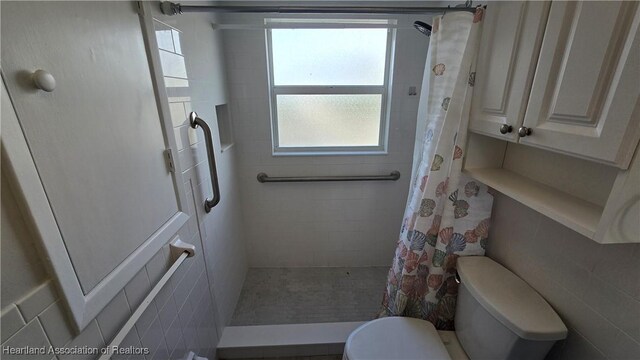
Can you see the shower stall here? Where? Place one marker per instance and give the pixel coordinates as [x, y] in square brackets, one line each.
[318, 251]
[318, 219]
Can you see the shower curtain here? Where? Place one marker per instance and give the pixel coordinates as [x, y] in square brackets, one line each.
[447, 213]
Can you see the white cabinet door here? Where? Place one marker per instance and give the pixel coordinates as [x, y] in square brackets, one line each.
[96, 142]
[584, 97]
[508, 53]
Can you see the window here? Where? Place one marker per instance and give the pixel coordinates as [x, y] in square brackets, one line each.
[329, 87]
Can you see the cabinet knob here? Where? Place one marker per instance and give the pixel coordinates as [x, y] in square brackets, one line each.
[43, 80]
[505, 129]
[524, 131]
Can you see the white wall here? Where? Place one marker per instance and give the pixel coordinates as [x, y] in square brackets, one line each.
[594, 288]
[319, 224]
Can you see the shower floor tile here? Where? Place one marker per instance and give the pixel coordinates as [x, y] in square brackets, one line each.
[310, 295]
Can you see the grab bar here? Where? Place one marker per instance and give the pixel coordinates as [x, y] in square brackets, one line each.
[178, 248]
[393, 176]
[195, 122]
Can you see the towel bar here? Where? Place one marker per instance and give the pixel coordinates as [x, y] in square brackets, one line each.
[178, 247]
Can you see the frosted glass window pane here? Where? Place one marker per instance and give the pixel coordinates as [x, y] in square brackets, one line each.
[328, 56]
[328, 120]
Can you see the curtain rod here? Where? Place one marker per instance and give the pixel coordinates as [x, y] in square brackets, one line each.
[171, 8]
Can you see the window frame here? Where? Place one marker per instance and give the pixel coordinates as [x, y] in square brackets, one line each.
[384, 90]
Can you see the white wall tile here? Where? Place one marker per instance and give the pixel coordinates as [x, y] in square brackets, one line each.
[624, 348]
[89, 337]
[156, 267]
[165, 295]
[577, 347]
[198, 292]
[161, 353]
[36, 301]
[31, 335]
[190, 332]
[291, 209]
[591, 286]
[131, 340]
[616, 263]
[173, 334]
[619, 308]
[180, 349]
[137, 289]
[11, 322]
[146, 319]
[154, 336]
[594, 327]
[184, 316]
[55, 324]
[181, 294]
[167, 314]
[113, 316]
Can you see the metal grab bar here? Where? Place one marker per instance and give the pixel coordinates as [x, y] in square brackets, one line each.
[195, 122]
[393, 176]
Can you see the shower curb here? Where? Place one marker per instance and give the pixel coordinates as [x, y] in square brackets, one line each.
[259, 341]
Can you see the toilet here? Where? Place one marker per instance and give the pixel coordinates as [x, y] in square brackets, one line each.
[498, 316]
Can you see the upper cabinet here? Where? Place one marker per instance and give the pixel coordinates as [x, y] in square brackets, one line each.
[584, 98]
[563, 76]
[510, 43]
[555, 114]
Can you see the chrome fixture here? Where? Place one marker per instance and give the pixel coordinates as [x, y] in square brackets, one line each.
[423, 27]
[506, 129]
[524, 131]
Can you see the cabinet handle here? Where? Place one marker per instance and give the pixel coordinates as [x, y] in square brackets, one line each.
[505, 129]
[524, 131]
[195, 122]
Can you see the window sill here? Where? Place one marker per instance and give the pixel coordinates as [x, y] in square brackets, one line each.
[329, 153]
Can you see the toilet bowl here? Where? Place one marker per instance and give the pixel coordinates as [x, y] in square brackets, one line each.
[498, 316]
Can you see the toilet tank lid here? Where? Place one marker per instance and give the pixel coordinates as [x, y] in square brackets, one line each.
[510, 300]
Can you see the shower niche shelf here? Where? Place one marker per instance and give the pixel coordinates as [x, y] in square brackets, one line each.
[598, 201]
[224, 127]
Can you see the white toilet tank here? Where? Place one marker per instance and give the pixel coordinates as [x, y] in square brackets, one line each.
[499, 316]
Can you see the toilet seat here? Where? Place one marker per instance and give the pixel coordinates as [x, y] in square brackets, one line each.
[393, 338]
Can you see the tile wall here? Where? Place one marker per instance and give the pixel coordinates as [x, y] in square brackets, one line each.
[594, 288]
[181, 317]
[318, 224]
[197, 48]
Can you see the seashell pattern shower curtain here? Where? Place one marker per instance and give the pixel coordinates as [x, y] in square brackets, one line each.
[447, 213]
